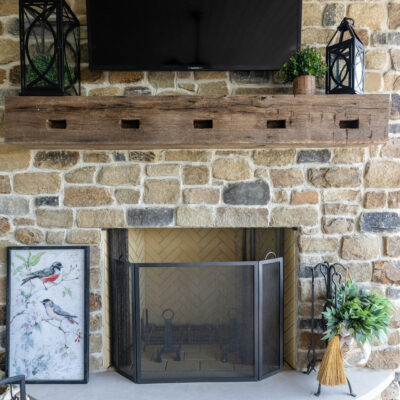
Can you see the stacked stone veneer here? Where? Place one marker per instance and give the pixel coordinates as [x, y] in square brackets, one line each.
[344, 201]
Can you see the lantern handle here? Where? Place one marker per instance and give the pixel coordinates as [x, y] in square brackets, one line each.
[347, 19]
[346, 24]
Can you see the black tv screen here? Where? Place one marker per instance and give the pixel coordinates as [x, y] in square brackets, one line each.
[192, 34]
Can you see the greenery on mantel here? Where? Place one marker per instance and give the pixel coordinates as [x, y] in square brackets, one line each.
[364, 315]
[41, 61]
[305, 62]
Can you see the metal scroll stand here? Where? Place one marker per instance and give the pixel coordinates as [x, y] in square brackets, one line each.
[168, 316]
[332, 280]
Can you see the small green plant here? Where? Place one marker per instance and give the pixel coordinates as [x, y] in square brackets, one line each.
[305, 62]
[41, 61]
[365, 315]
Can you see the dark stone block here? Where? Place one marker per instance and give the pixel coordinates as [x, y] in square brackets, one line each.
[329, 17]
[119, 156]
[2, 315]
[150, 216]
[306, 323]
[250, 76]
[3, 360]
[305, 272]
[12, 26]
[386, 38]
[395, 110]
[380, 222]
[142, 156]
[393, 293]
[47, 201]
[15, 75]
[56, 159]
[2, 338]
[394, 128]
[313, 156]
[137, 91]
[247, 193]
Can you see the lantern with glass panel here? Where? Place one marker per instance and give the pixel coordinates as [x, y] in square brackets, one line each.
[50, 48]
[345, 57]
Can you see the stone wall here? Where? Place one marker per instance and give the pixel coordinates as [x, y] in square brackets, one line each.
[344, 201]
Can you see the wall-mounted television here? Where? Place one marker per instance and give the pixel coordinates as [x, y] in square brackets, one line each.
[192, 34]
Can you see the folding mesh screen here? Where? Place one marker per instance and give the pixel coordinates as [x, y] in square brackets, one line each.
[197, 321]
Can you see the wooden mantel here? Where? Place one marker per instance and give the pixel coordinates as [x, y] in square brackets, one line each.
[196, 121]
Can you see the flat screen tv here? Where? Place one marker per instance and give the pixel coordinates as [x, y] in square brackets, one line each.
[192, 34]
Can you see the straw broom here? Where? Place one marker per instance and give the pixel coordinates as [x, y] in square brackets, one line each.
[331, 372]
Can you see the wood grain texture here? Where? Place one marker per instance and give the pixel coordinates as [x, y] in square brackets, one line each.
[169, 121]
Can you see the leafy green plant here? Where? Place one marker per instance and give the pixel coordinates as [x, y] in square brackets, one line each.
[41, 61]
[305, 62]
[365, 315]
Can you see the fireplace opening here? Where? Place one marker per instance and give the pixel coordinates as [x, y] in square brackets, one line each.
[196, 304]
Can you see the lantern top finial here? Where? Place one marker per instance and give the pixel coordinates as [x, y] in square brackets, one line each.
[346, 24]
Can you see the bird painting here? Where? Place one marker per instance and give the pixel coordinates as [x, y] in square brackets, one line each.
[49, 274]
[56, 313]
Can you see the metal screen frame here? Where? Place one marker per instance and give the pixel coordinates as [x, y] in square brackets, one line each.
[279, 260]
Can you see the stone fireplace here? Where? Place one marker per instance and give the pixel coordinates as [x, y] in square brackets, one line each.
[343, 202]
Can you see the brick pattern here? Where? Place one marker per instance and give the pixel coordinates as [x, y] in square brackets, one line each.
[342, 200]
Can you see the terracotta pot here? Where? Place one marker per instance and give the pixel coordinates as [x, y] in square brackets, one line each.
[304, 84]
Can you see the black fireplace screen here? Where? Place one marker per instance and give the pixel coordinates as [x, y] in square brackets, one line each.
[197, 321]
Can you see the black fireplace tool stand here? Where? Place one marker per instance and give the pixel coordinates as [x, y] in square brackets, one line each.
[172, 337]
[333, 279]
[168, 316]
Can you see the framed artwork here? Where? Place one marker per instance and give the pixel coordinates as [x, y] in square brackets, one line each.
[48, 313]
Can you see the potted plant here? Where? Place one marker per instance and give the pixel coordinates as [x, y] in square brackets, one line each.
[359, 316]
[302, 69]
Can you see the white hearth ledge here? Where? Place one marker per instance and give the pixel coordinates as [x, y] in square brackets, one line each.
[287, 385]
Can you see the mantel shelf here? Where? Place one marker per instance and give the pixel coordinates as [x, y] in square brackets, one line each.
[158, 122]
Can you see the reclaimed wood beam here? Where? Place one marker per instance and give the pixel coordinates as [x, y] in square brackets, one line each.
[157, 122]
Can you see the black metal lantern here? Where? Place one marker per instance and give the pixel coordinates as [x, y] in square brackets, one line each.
[50, 48]
[345, 60]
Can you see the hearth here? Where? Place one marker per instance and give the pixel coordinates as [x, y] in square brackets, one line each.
[196, 321]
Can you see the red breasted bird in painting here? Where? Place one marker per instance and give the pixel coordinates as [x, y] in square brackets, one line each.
[49, 274]
[56, 313]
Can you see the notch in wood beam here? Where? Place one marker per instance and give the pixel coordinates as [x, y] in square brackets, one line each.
[56, 123]
[130, 123]
[349, 124]
[276, 124]
[203, 124]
